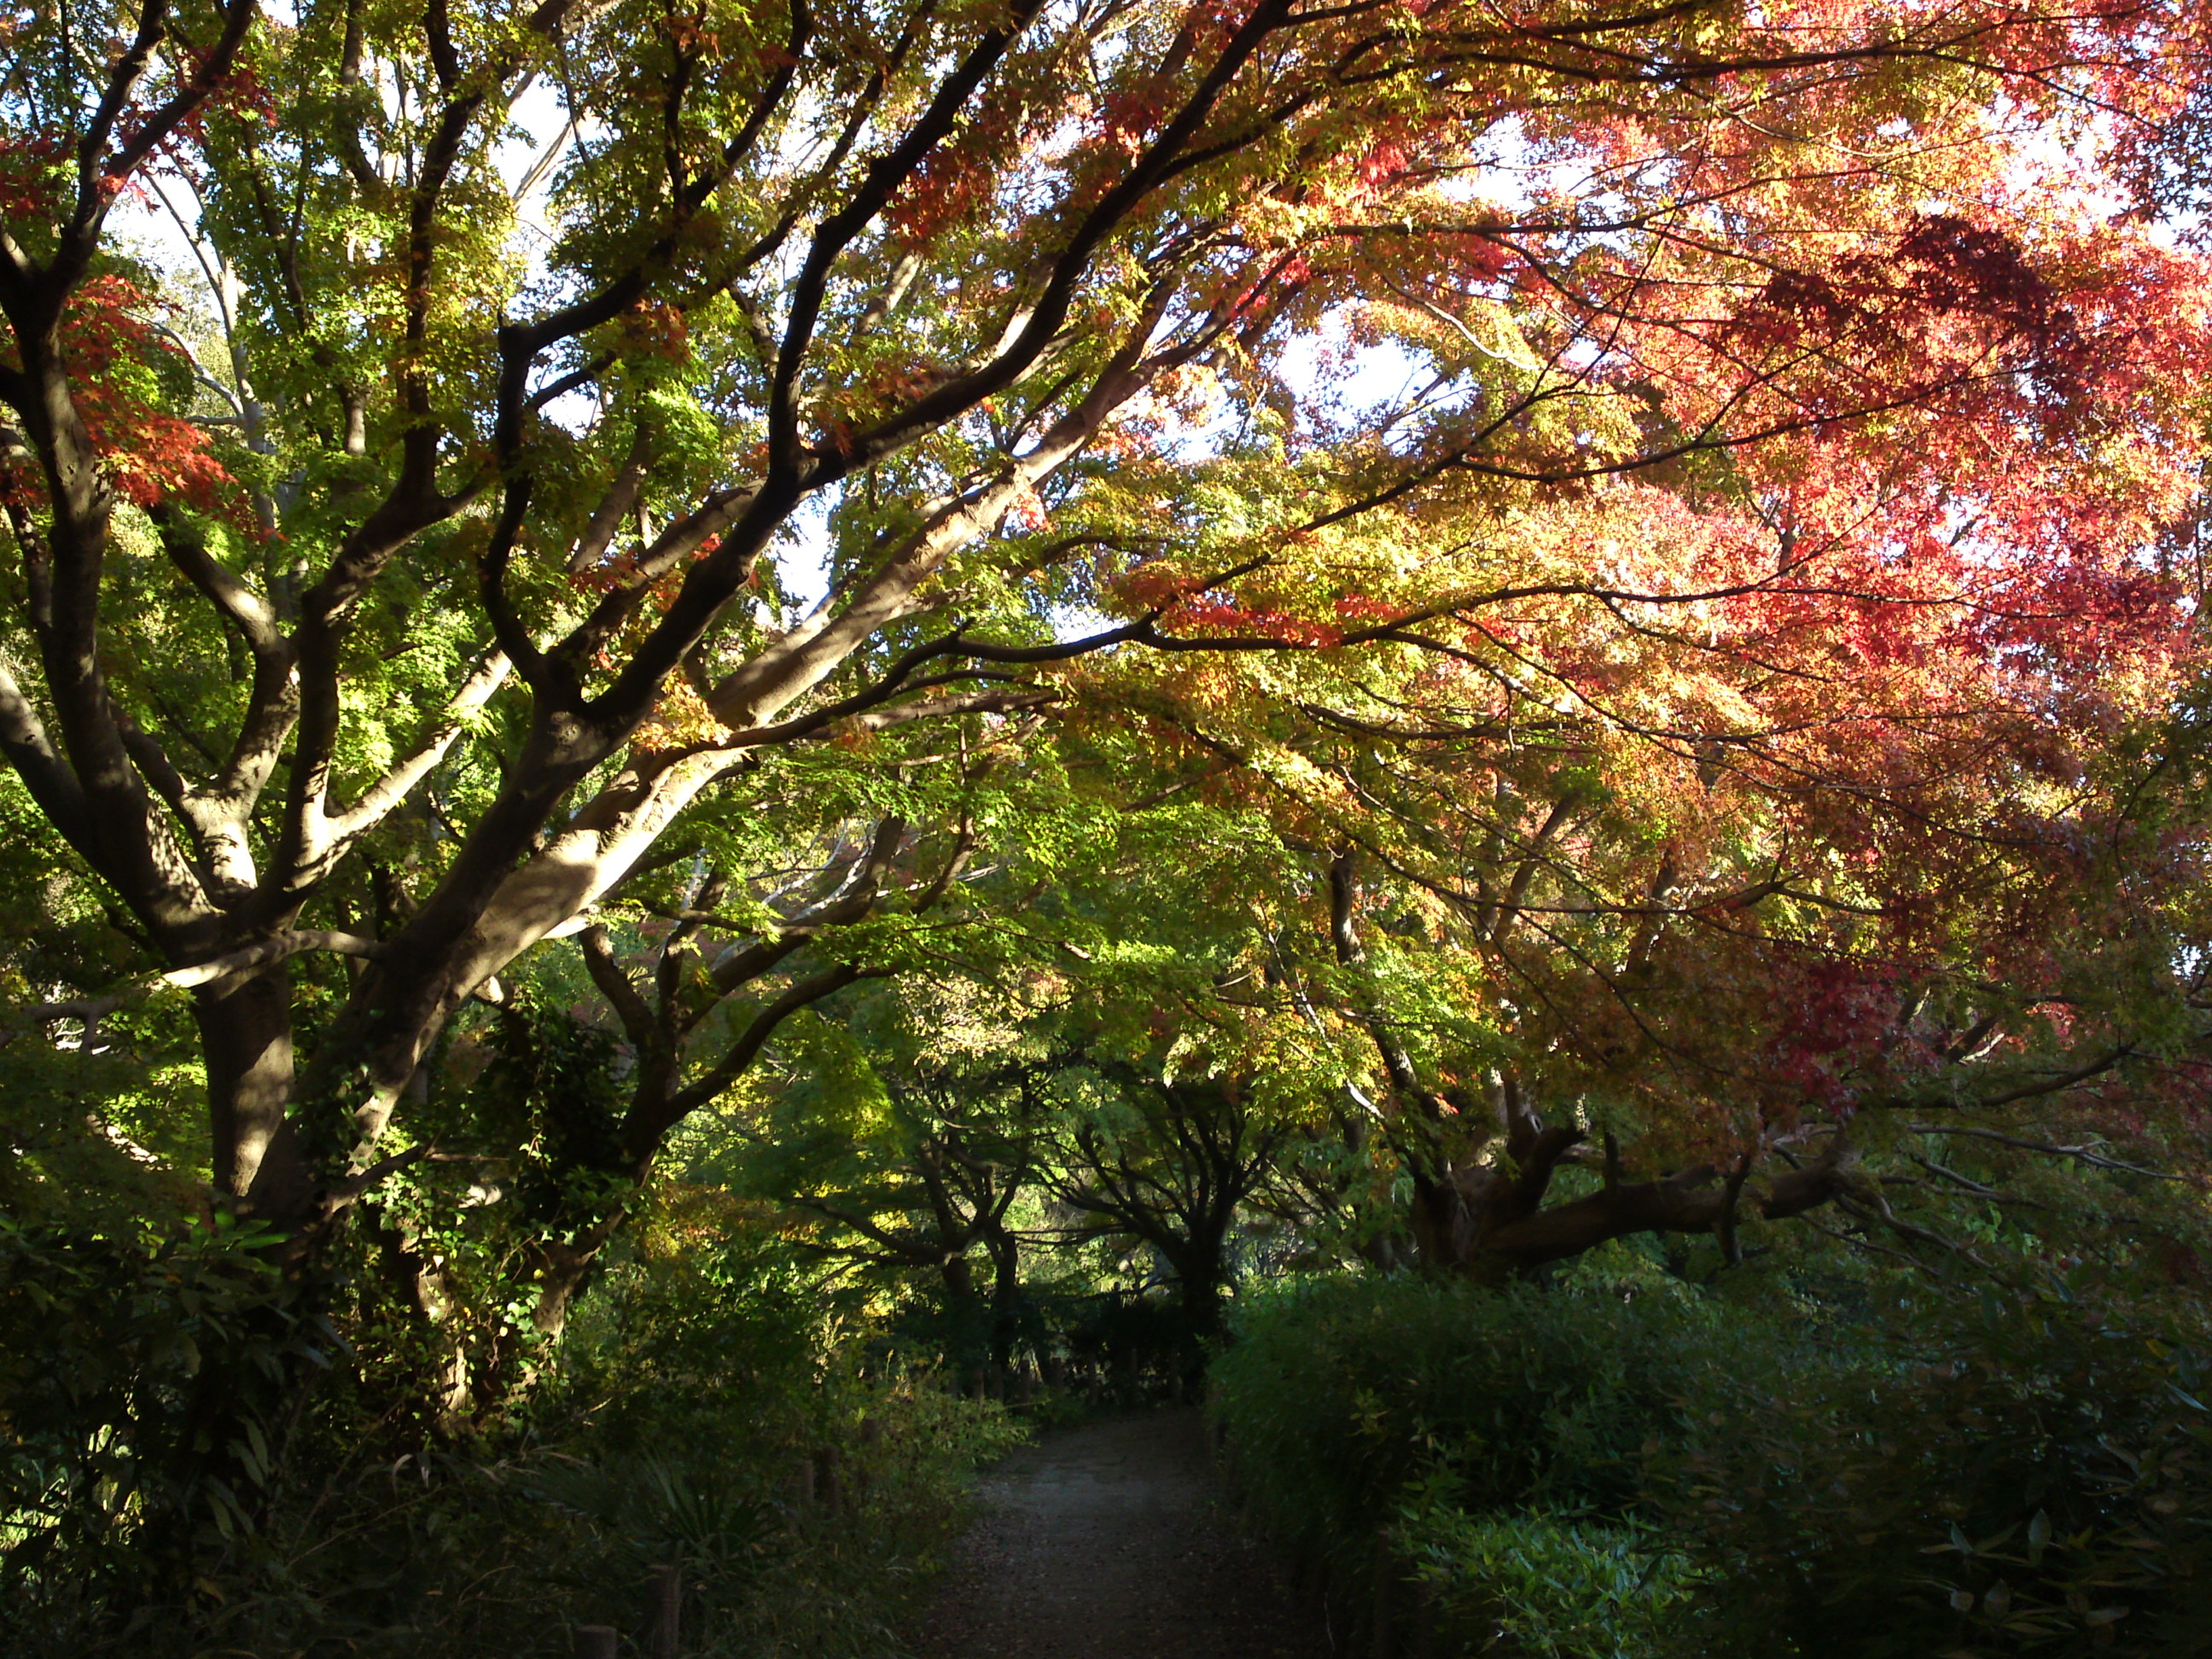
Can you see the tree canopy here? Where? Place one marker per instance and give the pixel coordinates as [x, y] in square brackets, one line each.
[1461, 588]
[714, 707]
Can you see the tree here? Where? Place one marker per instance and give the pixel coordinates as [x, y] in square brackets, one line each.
[1002, 297]
[1749, 894]
[933, 1180]
[1172, 1163]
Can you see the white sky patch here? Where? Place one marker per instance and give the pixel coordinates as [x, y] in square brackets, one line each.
[143, 224]
[527, 162]
[801, 556]
[1363, 381]
[1077, 621]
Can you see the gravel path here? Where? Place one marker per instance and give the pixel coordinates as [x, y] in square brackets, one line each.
[1109, 1542]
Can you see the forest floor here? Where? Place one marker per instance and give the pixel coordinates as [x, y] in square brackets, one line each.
[1114, 1541]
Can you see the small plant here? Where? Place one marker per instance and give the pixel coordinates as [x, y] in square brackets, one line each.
[1547, 1586]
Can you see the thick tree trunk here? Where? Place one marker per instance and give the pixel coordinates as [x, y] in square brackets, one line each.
[1697, 1199]
[1442, 1228]
[506, 1367]
[1489, 1221]
[972, 1317]
[1202, 1271]
[959, 1275]
[245, 1040]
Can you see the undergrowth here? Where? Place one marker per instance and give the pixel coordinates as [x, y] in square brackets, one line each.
[1643, 1469]
[709, 1408]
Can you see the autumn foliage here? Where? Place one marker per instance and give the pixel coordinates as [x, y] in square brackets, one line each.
[1585, 613]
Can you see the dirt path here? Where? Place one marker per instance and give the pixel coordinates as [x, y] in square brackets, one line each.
[1108, 1542]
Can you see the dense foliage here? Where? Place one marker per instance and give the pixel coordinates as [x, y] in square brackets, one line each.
[729, 721]
[712, 1414]
[1631, 1468]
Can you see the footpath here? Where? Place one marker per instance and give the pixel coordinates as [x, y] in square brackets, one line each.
[1113, 1541]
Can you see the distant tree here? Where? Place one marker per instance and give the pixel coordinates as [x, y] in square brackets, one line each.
[1170, 1164]
[933, 1187]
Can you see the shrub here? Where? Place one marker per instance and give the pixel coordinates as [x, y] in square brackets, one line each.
[672, 1428]
[1580, 1472]
[1980, 1475]
[1340, 1395]
[145, 1381]
[1546, 1586]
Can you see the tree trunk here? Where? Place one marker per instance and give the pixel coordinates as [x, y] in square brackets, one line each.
[1488, 1221]
[1440, 1224]
[1006, 1295]
[246, 1040]
[1201, 1274]
[562, 1268]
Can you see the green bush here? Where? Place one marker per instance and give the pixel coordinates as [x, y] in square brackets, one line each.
[145, 1381]
[1583, 1471]
[1986, 1474]
[672, 1425]
[1342, 1395]
[1548, 1587]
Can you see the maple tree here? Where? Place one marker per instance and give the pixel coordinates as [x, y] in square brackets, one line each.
[473, 636]
[901, 1168]
[1174, 1162]
[1760, 880]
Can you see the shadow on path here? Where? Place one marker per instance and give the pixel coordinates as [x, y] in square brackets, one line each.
[1109, 1542]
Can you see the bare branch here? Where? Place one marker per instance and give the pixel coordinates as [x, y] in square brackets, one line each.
[2087, 1155]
